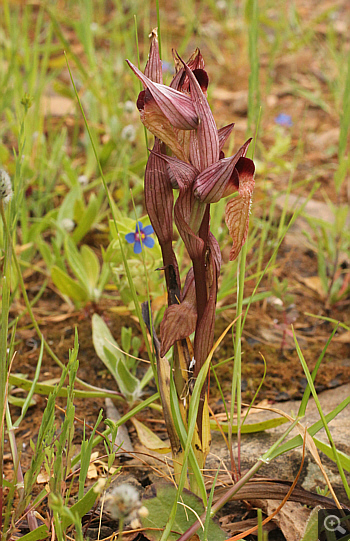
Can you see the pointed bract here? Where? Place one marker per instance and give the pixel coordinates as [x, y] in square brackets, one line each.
[207, 133]
[219, 179]
[157, 123]
[224, 133]
[181, 174]
[159, 196]
[153, 69]
[179, 320]
[238, 209]
[180, 80]
[177, 107]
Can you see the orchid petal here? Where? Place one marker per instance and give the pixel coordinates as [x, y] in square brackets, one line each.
[177, 107]
[182, 213]
[180, 81]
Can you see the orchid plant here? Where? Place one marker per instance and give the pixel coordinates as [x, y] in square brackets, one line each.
[188, 156]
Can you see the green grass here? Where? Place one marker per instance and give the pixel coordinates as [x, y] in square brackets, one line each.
[73, 171]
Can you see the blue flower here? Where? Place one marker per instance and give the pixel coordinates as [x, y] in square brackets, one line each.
[167, 67]
[141, 234]
[284, 120]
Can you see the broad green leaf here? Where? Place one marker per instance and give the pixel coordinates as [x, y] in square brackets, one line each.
[66, 210]
[68, 286]
[160, 504]
[39, 533]
[75, 261]
[149, 439]
[87, 220]
[128, 384]
[104, 276]
[114, 359]
[92, 265]
[102, 338]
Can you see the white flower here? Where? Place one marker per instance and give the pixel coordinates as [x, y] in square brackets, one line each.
[6, 192]
[123, 502]
[68, 224]
[83, 180]
[129, 133]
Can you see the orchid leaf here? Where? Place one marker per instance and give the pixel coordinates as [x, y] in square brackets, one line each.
[68, 286]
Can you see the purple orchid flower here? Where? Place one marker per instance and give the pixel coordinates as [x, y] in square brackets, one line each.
[188, 156]
[141, 235]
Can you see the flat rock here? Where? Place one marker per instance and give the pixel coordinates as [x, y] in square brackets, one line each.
[286, 466]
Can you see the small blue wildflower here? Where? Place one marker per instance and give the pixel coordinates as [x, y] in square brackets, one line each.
[141, 234]
[167, 67]
[284, 120]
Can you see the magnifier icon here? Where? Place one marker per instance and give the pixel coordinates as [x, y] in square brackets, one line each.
[332, 524]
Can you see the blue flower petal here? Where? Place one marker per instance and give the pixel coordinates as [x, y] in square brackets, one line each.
[148, 230]
[284, 120]
[138, 225]
[137, 247]
[149, 242]
[130, 238]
